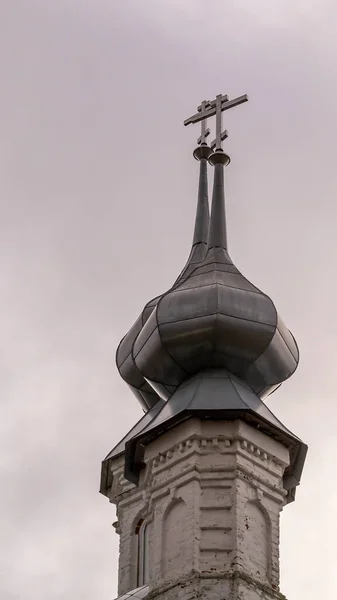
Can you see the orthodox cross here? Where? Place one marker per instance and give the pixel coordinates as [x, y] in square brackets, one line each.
[204, 129]
[209, 109]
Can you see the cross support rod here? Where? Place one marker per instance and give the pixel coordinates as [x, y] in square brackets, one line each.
[204, 130]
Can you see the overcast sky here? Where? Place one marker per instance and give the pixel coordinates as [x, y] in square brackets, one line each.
[98, 189]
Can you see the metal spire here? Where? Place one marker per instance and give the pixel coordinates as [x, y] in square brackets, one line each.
[202, 153]
[217, 232]
[202, 214]
[201, 227]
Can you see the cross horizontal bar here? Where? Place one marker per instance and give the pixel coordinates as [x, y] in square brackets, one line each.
[207, 132]
[224, 135]
[205, 111]
[199, 116]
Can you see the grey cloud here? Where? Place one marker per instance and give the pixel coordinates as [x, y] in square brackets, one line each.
[97, 189]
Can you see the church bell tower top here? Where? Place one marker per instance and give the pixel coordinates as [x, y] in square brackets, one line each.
[200, 480]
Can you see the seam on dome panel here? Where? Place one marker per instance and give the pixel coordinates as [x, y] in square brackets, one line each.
[216, 313]
[234, 287]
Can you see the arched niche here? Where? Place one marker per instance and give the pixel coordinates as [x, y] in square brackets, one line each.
[257, 542]
[174, 539]
[141, 532]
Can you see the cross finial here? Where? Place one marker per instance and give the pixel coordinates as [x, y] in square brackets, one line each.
[209, 109]
[204, 129]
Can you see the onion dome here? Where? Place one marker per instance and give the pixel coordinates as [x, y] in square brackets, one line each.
[213, 317]
[128, 369]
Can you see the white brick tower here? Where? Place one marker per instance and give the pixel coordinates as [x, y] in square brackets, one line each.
[200, 481]
[209, 493]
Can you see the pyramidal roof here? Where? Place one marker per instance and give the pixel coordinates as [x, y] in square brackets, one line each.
[212, 394]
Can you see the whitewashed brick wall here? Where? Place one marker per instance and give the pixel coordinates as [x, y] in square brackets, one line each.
[212, 493]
